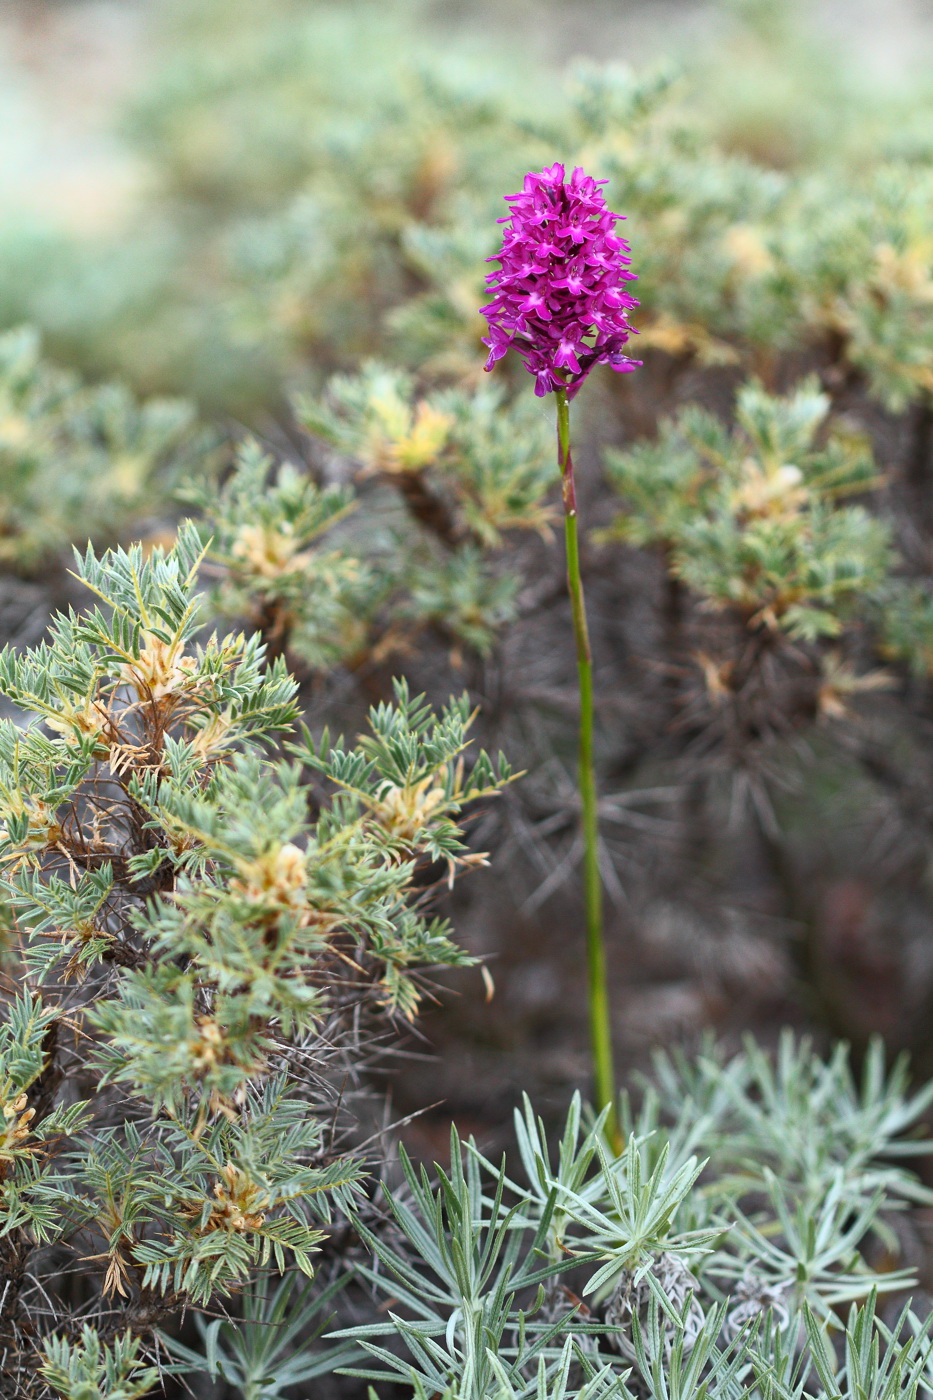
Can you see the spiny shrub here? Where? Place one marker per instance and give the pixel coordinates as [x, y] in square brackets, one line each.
[417, 537]
[200, 926]
[324, 184]
[772, 569]
[79, 461]
[755, 518]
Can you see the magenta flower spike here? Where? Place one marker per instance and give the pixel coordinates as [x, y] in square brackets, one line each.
[560, 299]
[560, 293]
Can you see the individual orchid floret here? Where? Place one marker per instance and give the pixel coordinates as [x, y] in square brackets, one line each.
[560, 294]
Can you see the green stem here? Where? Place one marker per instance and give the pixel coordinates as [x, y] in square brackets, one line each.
[600, 1022]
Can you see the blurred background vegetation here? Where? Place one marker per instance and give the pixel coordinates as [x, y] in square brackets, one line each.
[241, 255]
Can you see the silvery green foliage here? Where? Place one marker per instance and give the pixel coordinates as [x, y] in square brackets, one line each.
[202, 927]
[88, 1370]
[872, 1360]
[465, 1266]
[715, 1255]
[268, 1349]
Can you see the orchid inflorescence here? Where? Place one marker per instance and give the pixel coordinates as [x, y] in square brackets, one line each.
[560, 291]
[561, 300]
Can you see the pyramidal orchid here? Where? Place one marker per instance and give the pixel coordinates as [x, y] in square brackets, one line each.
[561, 299]
[561, 294]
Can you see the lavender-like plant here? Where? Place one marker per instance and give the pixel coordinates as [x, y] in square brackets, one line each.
[561, 300]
